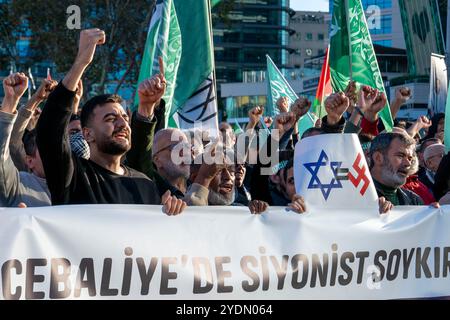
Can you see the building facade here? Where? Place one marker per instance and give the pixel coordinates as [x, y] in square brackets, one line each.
[241, 97]
[252, 29]
[311, 36]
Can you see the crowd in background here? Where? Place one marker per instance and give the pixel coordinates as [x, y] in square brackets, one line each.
[97, 153]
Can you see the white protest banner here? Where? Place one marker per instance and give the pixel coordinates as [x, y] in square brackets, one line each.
[137, 252]
[438, 85]
[330, 171]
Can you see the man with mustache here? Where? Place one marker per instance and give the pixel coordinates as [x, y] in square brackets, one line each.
[105, 124]
[391, 156]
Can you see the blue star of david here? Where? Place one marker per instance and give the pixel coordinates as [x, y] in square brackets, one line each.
[315, 183]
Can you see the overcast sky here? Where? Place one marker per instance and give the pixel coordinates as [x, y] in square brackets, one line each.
[310, 5]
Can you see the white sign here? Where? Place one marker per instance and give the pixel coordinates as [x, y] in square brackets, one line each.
[330, 171]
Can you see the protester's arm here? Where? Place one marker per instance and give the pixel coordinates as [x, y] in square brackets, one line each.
[16, 148]
[364, 99]
[299, 108]
[9, 175]
[52, 137]
[196, 195]
[78, 96]
[160, 115]
[351, 93]
[89, 39]
[369, 123]
[144, 122]
[254, 116]
[421, 123]
[14, 86]
[25, 113]
[401, 96]
[140, 155]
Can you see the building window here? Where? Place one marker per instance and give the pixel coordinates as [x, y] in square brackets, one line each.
[320, 36]
[385, 26]
[383, 4]
[385, 43]
[309, 36]
[320, 52]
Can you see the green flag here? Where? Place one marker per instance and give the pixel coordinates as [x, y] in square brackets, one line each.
[163, 39]
[180, 31]
[195, 101]
[351, 52]
[447, 124]
[277, 86]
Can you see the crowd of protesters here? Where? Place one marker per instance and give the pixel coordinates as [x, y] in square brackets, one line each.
[98, 153]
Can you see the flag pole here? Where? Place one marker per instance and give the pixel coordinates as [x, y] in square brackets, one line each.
[349, 41]
[213, 59]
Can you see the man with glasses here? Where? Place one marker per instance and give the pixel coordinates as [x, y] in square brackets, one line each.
[171, 155]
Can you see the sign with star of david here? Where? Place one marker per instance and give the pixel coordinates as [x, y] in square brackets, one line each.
[330, 170]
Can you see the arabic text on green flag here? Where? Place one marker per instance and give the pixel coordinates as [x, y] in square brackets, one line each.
[351, 52]
[277, 87]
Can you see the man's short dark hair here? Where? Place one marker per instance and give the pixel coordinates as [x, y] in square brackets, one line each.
[97, 101]
[289, 165]
[383, 141]
[29, 142]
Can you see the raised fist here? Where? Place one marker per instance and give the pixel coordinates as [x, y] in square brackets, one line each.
[335, 105]
[350, 92]
[379, 103]
[300, 107]
[89, 40]
[283, 104]
[46, 87]
[151, 90]
[403, 94]
[371, 114]
[284, 122]
[15, 86]
[423, 122]
[268, 121]
[255, 113]
[366, 97]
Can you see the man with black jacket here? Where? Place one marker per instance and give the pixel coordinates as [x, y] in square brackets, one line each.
[102, 178]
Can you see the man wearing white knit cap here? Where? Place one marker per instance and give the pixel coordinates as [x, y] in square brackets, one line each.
[432, 156]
